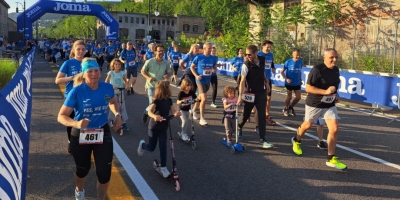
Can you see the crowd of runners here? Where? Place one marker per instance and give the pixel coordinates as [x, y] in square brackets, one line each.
[93, 107]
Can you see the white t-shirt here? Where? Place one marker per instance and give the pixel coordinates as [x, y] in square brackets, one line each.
[245, 70]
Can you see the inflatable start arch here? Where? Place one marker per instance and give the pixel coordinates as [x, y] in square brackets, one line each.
[60, 7]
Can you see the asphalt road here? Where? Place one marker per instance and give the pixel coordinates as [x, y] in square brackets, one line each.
[211, 171]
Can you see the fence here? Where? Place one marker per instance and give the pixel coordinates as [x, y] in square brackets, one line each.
[361, 47]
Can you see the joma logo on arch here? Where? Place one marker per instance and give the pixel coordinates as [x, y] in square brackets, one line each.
[72, 7]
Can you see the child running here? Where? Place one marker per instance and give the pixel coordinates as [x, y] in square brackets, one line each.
[117, 78]
[185, 95]
[159, 108]
[229, 112]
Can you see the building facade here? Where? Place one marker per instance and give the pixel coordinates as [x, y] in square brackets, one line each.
[136, 27]
[4, 18]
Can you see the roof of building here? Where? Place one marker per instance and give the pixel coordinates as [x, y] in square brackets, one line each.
[5, 4]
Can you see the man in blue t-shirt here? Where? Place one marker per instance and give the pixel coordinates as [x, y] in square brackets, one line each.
[292, 74]
[129, 58]
[202, 68]
[268, 69]
[111, 51]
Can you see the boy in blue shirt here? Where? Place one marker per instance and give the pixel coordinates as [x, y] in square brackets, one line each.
[292, 74]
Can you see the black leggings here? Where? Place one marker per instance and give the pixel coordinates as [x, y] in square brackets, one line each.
[214, 85]
[161, 136]
[102, 153]
[100, 61]
[175, 70]
[259, 102]
[69, 128]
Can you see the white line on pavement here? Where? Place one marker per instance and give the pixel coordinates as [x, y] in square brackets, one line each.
[133, 173]
[348, 149]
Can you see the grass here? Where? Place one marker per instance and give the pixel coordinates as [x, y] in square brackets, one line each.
[7, 70]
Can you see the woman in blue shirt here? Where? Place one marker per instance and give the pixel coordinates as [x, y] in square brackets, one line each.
[90, 98]
[185, 64]
[149, 53]
[174, 57]
[236, 65]
[68, 70]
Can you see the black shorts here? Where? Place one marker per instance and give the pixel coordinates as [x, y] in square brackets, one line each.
[131, 71]
[109, 59]
[291, 88]
[175, 69]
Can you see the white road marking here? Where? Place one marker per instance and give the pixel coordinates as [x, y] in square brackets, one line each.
[133, 173]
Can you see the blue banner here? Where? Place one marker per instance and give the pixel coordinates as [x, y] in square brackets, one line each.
[15, 119]
[363, 87]
[37, 10]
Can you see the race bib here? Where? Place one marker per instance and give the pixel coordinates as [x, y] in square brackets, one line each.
[132, 63]
[328, 98]
[248, 97]
[175, 61]
[91, 136]
[267, 65]
[207, 72]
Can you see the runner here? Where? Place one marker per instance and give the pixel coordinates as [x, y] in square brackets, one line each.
[214, 78]
[292, 74]
[90, 98]
[174, 57]
[229, 119]
[202, 67]
[269, 67]
[185, 64]
[236, 64]
[160, 107]
[67, 50]
[110, 53]
[98, 54]
[129, 58]
[322, 83]
[89, 49]
[253, 94]
[68, 70]
[183, 101]
[154, 70]
[150, 52]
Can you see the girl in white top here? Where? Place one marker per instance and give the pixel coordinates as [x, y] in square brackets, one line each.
[117, 78]
[229, 118]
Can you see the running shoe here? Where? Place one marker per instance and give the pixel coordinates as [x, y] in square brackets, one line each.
[132, 92]
[144, 118]
[240, 137]
[195, 116]
[203, 122]
[214, 106]
[265, 145]
[140, 148]
[164, 171]
[322, 145]
[296, 147]
[291, 111]
[125, 127]
[270, 121]
[334, 162]
[285, 112]
[80, 195]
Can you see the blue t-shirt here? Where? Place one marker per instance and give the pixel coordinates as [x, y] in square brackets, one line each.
[98, 51]
[269, 59]
[216, 61]
[149, 54]
[91, 104]
[293, 71]
[129, 56]
[70, 68]
[67, 50]
[110, 50]
[88, 47]
[188, 59]
[170, 49]
[204, 66]
[237, 62]
[175, 57]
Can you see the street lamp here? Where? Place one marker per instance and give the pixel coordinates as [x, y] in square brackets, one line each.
[24, 16]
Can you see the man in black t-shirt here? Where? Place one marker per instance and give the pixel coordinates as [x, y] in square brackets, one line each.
[321, 87]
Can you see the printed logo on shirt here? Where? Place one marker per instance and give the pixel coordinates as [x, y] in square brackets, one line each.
[107, 98]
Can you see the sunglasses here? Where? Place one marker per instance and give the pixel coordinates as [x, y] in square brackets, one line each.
[248, 54]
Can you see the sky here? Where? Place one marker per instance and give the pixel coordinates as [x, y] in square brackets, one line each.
[29, 3]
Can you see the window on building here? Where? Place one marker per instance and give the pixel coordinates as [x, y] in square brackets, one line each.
[132, 20]
[137, 20]
[120, 19]
[126, 19]
[163, 21]
[195, 28]
[154, 21]
[186, 28]
[167, 22]
[142, 20]
[158, 21]
[172, 23]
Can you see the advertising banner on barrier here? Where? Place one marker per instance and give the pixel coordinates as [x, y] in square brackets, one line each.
[362, 87]
[15, 119]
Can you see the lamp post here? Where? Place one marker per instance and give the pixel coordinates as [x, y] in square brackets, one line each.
[23, 14]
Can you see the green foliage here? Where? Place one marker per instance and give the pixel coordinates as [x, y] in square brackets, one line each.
[8, 69]
[76, 26]
[187, 42]
[367, 62]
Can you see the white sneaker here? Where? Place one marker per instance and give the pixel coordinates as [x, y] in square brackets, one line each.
[203, 122]
[140, 148]
[195, 116]
[214, 106]
[185, 137]
[80, 195]
[164, 172]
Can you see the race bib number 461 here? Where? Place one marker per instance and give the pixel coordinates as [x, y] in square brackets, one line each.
[91, 136]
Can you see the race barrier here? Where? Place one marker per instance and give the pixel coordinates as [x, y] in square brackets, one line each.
[376, 88]
[15, 120]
